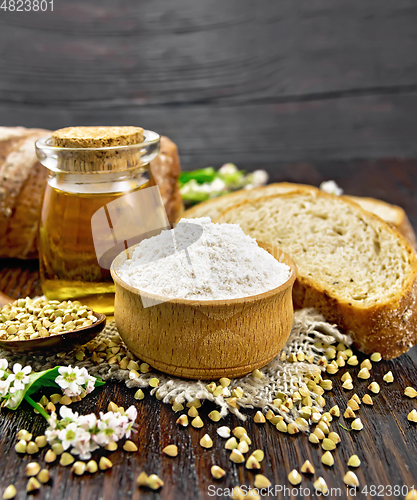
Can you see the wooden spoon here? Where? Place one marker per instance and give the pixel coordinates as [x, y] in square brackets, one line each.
[59, 342]
[5, 299]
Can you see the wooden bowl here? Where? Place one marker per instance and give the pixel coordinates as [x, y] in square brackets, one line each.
[205, 339]
[58, 342]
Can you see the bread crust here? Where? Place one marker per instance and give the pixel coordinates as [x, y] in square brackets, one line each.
[389, 327]
[22, 231]
[191, 212]
[21, 192]
[406, 229]
[165, 170]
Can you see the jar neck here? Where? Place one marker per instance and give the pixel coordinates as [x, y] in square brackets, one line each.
[108, 182]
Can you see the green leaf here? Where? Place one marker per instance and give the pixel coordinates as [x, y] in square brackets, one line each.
[195, 197]
[98, 382]
[36, 380]
[201, 175]
[42, 379]
[37, 406]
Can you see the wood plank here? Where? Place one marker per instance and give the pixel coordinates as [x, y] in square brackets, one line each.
[134, 53]
[19, 278]
[250, 83]
[251, 135]
[387, 435]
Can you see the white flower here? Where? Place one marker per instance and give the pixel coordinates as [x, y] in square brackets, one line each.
[114, 426]
[259, 177]
[84, 373]
[68, 435]
[213, 187]
[216, 185]
[90, 384]
[131, 413]
[81, 442]
[86, 433]
[52, 431]
[52, 420]
[256, 179]
[71, 380]
[228, 169]
[67, 414]
[19, 377]
[3, 367]
[4, 388]
[74, 436]
[84, 446]
[13, 398]
[108, 427]
[87, 422]
[128, 430]
[52, 435]
[331, 187]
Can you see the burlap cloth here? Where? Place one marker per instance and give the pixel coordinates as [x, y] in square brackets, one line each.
[309, 331]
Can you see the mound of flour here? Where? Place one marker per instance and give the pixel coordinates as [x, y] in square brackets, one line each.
[204, 261]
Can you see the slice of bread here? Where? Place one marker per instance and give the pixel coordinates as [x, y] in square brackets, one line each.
[353, 267]
[392, 214]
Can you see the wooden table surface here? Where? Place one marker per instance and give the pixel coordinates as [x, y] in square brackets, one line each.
[387, 445]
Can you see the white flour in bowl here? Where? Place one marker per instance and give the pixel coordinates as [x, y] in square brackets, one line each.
[205, 261]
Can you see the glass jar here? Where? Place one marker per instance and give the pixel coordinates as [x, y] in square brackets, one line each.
[82, 181]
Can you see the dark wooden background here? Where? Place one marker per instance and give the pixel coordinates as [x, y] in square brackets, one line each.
[235, 80]
[309, 90]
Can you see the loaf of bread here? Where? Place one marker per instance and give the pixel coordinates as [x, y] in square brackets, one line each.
[165, 171]
[24, 178]
[390, 213]
[23, 181]
[353, 267]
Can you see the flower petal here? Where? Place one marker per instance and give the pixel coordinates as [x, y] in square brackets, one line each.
[17, 367]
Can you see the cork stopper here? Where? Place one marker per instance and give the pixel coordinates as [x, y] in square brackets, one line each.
[98, 160]
[96, 137]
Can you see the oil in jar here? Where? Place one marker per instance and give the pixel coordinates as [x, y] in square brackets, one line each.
[68, 263]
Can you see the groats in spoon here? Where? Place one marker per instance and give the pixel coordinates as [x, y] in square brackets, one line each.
[59, 342]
